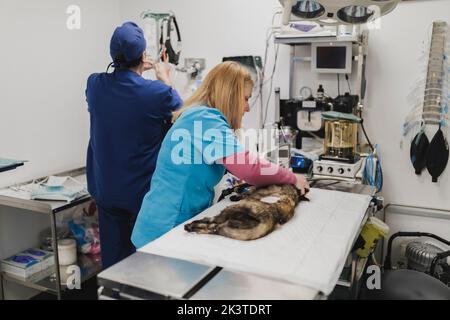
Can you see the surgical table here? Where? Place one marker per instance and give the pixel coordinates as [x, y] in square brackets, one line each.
[148, 276]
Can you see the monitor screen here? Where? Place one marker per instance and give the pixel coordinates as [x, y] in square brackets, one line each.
[331, 57]
[334, 57]
[283, 153]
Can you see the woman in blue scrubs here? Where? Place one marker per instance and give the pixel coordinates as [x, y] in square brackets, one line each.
[196, 152]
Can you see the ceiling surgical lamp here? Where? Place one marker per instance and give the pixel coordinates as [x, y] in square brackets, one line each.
[336, 12]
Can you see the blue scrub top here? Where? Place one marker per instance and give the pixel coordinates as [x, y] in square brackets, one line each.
[186, 172]
[129, 119]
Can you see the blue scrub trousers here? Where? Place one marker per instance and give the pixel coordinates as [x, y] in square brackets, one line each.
[116, 226]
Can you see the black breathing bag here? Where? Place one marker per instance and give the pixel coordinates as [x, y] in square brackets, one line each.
[432, 155]
[418, 152]
[437, 155]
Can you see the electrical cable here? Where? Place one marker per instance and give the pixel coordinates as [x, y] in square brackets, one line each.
[367, 137]
[338, 81]
[271, 83]
[348, 83]
[270, 32]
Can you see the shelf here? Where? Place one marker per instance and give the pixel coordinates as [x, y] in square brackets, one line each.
[14, 198]
[293, 40]
[44, 285]
[17, 196]
[9, 168]
[8, 165]
[46, 280]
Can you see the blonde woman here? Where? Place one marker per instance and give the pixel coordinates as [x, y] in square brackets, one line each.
[197, 151]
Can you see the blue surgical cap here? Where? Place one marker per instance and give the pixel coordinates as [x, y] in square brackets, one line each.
[128, 40]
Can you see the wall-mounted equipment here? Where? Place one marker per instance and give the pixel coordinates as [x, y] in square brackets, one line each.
[339, 45]
[332, 57]
[430, 114]
[159, 30]
[254, 63]
[193, 67]
[336, 12]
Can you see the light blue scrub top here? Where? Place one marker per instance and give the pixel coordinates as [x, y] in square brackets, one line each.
[186, 172]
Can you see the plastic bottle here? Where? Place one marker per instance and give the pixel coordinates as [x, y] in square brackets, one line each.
[320, 93]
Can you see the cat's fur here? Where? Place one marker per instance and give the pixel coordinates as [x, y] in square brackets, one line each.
[252, 218]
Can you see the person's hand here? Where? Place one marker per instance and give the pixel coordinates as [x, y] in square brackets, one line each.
[302, 184]
[149, 64]
[162, 74]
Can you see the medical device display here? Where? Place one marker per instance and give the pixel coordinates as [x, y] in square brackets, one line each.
[331, 57]
[336, 12]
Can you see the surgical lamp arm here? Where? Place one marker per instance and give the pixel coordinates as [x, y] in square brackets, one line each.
[287, 13]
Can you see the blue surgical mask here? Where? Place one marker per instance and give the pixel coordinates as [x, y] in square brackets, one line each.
[55, 189]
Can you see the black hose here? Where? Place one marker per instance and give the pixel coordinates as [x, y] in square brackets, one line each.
[436, 259]
[367, 137]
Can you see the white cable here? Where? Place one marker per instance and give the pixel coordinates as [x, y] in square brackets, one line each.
[270, 32]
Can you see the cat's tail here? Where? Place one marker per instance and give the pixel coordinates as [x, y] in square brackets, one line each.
[203, 226]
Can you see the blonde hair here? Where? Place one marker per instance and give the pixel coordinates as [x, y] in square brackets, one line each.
[224, 90]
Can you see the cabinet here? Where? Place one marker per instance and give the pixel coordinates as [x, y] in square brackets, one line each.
[13, 197]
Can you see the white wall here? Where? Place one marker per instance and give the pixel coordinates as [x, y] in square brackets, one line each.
[215, 28]
[43, 115]
[394, 67]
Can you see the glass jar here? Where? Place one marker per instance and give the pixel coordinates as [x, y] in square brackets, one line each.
[341, 139]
